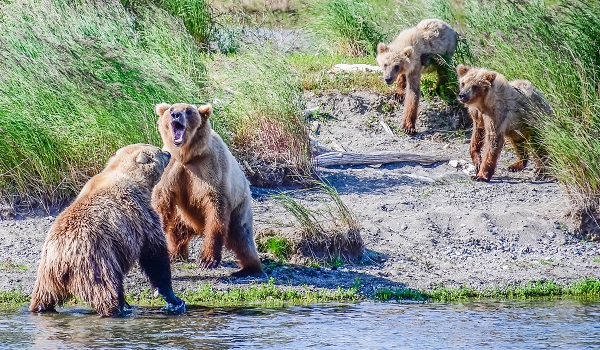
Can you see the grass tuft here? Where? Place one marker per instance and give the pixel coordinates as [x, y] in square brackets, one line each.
[330, 234]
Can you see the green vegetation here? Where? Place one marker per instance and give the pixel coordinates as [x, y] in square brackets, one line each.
[11, 266]
[260, 102]
[79, 80]
[270, 294]
[315, 73]
[14, 296]
[330, 234]
[264, 294]
[586, 288]
[278, 246]
[349, 27]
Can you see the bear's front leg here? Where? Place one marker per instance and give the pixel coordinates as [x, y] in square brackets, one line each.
[154, 262]
[411, 102]
[400, 88]
[493, 149]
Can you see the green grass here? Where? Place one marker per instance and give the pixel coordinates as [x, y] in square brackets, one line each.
[585, 288]
[345, 26]
[78, 81]
[259, 100]
[270, 294]
[10, 266]
[315, 73]
[262, 294]
[278, 246]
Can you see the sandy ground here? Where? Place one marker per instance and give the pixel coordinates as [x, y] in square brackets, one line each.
[423, 226]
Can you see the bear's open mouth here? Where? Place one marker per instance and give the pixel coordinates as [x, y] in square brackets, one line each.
[178, 132]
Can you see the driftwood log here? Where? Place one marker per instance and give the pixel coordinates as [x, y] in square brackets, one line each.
[349, 158]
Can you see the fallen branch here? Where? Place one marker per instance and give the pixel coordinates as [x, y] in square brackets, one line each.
[342, 67]
[350, 158]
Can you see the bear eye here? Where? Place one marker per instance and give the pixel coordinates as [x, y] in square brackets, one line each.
[396, 67]
[475, 87]
[385, 65]
[188, 112]
[462, 85]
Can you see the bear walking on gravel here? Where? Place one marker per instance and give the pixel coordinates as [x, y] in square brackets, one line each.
[404, 59]
[500, 109]
[203, 191]
[96, 240]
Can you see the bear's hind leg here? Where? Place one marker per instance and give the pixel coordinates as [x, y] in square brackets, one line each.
[241, 241]
[178, 241]
[520, 145]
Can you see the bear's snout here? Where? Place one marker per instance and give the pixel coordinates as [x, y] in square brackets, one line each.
[463, 97]
[389, 80]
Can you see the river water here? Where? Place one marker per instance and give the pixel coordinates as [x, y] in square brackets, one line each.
[562, 324]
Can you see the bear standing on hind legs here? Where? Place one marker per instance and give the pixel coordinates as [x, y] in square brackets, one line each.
[404, 59]
[203, 191]
[96, 240]
[501, 110]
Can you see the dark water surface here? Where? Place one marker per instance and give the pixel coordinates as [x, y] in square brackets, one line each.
[562, 324]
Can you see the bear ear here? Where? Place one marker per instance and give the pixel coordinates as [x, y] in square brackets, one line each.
[461, 70]
[489, 76]
[161, 108]
[381, 48]
[142, 158]
[407, 52]
[205, 110]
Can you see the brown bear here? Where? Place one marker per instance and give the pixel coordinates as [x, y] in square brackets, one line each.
[404, 59]
[203, 191]
[109, 227]
[500, 109]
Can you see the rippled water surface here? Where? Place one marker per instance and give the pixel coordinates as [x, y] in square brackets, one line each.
[525, 325]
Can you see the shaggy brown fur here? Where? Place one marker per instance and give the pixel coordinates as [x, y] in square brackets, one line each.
[404, 59]
[96, 240]
[500, 109]
[203, 191]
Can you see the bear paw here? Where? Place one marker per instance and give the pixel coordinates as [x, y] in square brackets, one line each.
[248, 272]
[208, 261]
[173, 309]
[409, 129]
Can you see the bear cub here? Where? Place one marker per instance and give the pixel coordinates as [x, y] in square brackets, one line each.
[500, 110]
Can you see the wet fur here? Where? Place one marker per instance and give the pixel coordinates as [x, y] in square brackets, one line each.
[204, 192]
[500, 110]
[405, 59]
[96, 240]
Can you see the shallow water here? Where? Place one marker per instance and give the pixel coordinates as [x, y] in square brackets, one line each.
[526, 324]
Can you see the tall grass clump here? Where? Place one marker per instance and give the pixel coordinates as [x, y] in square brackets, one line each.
[78, 80]
[330, 232]
[259, 101]
[556, 48]
[346, 26]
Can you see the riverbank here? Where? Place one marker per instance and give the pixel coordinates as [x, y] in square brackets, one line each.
[425, 228]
